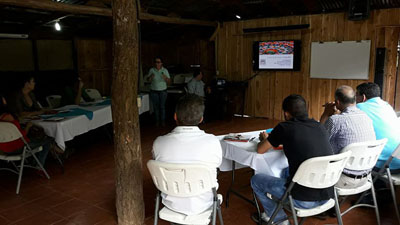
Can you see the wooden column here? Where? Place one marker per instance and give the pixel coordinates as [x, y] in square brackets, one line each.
[128, 155]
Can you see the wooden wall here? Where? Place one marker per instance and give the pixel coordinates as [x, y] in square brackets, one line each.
[267, 90]
[94, 59]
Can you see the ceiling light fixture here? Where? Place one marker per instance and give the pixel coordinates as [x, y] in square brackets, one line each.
[237, 16]
[57, 26]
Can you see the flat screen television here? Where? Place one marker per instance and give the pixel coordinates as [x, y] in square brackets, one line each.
[277, 55]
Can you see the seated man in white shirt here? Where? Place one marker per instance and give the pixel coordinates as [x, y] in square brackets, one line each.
[188, 144]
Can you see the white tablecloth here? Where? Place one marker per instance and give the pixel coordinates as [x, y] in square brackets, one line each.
[145, 103]
[245, 154]
[68, 128]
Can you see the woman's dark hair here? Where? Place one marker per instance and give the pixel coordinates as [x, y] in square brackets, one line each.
[158, 57]
[24, 79]
[295, 105]
[196, 72]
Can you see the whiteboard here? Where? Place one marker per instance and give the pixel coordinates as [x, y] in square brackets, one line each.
[344, 60]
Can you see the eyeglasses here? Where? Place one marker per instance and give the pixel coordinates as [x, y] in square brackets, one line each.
[158, 61]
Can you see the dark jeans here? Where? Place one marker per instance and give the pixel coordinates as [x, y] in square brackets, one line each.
[158, 99]
[42, 155]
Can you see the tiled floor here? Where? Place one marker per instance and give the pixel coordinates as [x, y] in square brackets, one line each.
[84, 194]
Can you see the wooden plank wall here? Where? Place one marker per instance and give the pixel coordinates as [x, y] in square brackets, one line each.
[267, 90]
[94, 59]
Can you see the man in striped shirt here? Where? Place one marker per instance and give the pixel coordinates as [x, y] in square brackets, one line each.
[346, 124]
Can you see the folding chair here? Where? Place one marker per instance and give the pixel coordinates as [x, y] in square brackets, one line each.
[9, 132]
[93, 94]
[393, 180]
[364, 156]
[54, 101]
[318, 173]
[184, 180]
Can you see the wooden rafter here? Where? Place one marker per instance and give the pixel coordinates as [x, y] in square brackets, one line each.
[91, 10]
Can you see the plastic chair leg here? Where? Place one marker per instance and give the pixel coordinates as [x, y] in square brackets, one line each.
[376, 205]
[337, 209]
[21, 169]
[157, 208]
[392, 190]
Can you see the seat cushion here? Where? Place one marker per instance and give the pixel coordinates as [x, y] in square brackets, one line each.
[353, 191]
[19, 156]
[317, 210]
[175, 217]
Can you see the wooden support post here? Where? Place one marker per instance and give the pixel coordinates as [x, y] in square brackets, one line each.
[128, 155]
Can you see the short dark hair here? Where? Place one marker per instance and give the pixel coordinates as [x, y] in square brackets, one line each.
[345, 94]
[196, 72]
[158, 57]
[189, 110]
[295, 105]
[369, 89]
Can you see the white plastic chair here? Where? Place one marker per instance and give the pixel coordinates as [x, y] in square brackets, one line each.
[364, 156]
[93, 94]
[184, 180]
[9, 132]
[393, 180]
[54, 101]
[318, 173]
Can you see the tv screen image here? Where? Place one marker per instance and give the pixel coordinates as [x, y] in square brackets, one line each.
[276, 55]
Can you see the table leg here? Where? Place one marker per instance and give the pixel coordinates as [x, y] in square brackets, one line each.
[230, 189]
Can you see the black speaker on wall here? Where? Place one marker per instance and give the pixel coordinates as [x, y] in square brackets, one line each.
[359, 9]
[380, 66]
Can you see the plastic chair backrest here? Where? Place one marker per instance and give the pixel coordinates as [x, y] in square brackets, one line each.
[321, 172]
[93, 94]
[9, 132]
[54, 101]
[364, 155]
[396, 152]
[181, 180]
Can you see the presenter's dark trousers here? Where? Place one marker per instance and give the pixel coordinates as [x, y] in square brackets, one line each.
[158, 99]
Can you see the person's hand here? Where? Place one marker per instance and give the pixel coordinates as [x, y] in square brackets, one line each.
[80, 83]
[28, 125]
[151, 77]
[263, 135]
[164, 77]
[330, 109]
[208, 90]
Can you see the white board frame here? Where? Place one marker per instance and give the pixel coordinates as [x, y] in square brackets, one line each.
[340, 60]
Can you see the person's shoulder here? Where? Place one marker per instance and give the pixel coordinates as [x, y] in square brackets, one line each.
[7, 117]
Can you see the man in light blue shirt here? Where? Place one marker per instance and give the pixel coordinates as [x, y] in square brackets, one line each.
[196, 85]
[385, 122]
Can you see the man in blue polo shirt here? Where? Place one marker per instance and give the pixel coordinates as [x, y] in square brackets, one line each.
[385, 122]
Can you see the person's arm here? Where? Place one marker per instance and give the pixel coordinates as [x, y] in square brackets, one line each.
[28, 127]
[150, 76]
[79, 93]
[166, 77]
[330, 109]
[264, 144]
[191, 87]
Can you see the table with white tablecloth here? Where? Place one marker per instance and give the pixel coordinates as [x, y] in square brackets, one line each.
[238, 155]
[69, 127]
[144, 103]
[245, 155]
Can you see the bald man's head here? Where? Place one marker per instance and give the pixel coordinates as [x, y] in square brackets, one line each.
[345, 95]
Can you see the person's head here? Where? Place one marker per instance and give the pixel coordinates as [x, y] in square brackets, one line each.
[3, 104]
[367, 91]
[189, 110]
[344, 97]
[198, 75]
[158, 62]
[294, 106]
[27, 83]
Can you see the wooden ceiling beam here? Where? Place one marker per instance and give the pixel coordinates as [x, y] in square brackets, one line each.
[58, 7]
[91, 10]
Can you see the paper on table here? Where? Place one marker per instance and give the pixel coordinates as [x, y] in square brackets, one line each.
[237, 138]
